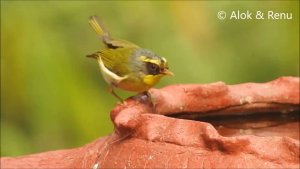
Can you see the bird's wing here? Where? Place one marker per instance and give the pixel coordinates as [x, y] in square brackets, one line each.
[119, 43]
[109, 76]
[117, 60]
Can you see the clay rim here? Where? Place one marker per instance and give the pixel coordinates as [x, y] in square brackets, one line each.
[282, 100]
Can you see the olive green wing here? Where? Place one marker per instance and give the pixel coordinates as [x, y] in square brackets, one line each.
[119, 43]
[117, 60]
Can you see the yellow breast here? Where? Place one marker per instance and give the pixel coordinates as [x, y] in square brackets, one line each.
[139, 85]
[151, 80]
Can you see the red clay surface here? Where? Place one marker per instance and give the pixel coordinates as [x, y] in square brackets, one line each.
[264, 135]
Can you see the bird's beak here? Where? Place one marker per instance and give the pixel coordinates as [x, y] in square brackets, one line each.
[167, 72]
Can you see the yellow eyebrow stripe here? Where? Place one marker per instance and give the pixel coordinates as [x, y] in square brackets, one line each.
[145, 59]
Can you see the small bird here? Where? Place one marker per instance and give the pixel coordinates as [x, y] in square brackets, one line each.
[125, 65]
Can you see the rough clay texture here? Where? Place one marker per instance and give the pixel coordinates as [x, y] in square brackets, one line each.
[146, 138]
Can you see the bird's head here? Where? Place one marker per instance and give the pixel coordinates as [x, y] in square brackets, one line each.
[152, 66]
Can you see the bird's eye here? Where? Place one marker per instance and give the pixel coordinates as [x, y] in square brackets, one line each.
[152, 68]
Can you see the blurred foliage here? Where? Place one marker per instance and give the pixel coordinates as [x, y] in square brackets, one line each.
[53, 97]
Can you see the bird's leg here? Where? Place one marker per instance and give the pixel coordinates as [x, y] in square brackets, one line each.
[111, 90]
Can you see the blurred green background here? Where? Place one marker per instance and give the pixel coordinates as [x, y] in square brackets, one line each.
[53, 97]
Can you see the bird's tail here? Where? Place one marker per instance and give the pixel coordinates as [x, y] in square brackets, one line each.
[98, 27]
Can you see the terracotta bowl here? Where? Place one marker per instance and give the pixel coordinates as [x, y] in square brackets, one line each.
[251, 125]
